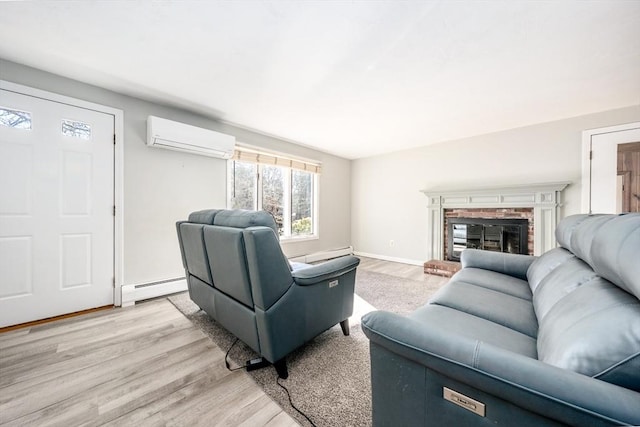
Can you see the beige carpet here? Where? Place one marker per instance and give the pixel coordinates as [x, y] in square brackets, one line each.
[329, 378]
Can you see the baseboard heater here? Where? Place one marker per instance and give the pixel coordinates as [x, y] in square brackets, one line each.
[133, 293]
[324, 255]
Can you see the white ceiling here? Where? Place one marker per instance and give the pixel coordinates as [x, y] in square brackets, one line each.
[352, 78]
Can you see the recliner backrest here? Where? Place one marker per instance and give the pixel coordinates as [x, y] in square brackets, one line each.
[245, 258]
[191, 240]
[268, 267]
[226, 254]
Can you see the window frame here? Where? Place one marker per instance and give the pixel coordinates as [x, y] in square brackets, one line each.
[286, 237]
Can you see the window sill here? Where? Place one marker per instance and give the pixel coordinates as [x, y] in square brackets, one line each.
[287, 240]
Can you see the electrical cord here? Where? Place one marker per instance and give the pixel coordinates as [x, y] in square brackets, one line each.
[228, 365]
[291, 402]
[226, 361]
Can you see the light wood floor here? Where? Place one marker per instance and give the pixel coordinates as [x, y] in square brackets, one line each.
[406, 271]
[142, 365]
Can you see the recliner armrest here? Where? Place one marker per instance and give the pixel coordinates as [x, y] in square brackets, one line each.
[500, 262]
[325, 271]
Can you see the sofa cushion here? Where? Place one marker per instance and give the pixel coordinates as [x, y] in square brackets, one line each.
[492, 280]
[505, 310]
[559, 282]
[566, 227]
[615, 252]
[544, 264]
[456, 322]
[595, 331]
[584, 233]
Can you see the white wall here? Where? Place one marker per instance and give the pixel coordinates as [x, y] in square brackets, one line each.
[162, 187]
[387, 203]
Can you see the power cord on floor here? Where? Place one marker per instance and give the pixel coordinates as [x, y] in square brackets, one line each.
[226, 361]
[228, 365]
[291, 402]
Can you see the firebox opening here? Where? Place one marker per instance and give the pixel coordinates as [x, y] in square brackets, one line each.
[499, 235]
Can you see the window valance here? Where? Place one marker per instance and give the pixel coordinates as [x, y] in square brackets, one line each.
[254, 156]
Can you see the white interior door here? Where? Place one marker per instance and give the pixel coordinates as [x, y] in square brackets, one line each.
[56, 208]
[600, 173]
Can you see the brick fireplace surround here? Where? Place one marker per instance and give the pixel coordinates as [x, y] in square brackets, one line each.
[539, 203]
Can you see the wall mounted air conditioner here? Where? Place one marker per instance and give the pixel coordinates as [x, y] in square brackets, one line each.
[163, 133]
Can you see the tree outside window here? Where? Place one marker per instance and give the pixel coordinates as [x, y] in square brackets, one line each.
[242, 186]
[301, 203]
[286, 193]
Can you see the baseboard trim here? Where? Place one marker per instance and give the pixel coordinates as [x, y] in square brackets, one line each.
[133, 293]
[389, 258]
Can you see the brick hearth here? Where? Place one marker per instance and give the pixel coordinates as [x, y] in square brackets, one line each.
[441, 268]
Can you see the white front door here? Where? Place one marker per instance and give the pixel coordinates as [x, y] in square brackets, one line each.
[56, 208]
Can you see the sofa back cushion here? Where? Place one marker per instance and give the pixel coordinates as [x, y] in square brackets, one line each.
[594, 330]
[615, 252]
[565, 228]
[545, 264]
[584, 234]
[561, 281]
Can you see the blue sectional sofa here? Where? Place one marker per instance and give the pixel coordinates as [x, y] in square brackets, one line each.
[520, 340]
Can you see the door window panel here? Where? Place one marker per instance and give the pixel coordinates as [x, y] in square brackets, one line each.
[15, 118]
[76, 129]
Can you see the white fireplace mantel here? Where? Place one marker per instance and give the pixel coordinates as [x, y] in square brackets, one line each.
[544, 198]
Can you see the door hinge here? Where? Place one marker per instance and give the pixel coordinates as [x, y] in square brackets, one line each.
[114, 210]
[114, 139]
[591, 155]
[114, 282]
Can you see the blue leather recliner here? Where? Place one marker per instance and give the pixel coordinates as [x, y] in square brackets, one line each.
[237, 274]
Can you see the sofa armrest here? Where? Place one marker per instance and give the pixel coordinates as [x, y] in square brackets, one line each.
[500, 262]
[325, 271]
[537, 387]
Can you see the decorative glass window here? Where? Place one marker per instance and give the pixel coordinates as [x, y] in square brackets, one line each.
[76, 129]
[15, 118]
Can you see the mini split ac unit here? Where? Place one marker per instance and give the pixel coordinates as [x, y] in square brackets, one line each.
[163, 133]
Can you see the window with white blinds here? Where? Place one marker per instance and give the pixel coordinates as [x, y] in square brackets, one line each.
[285, 187]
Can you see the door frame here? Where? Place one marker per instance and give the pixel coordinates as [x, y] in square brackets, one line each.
[587, 148]
[118, 170]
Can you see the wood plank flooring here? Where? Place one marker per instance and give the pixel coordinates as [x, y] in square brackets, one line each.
[142, 365]
[135, 366]
[406, 271]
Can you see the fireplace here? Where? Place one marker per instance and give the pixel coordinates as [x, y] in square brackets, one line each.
[542, 202]
[498, 235]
